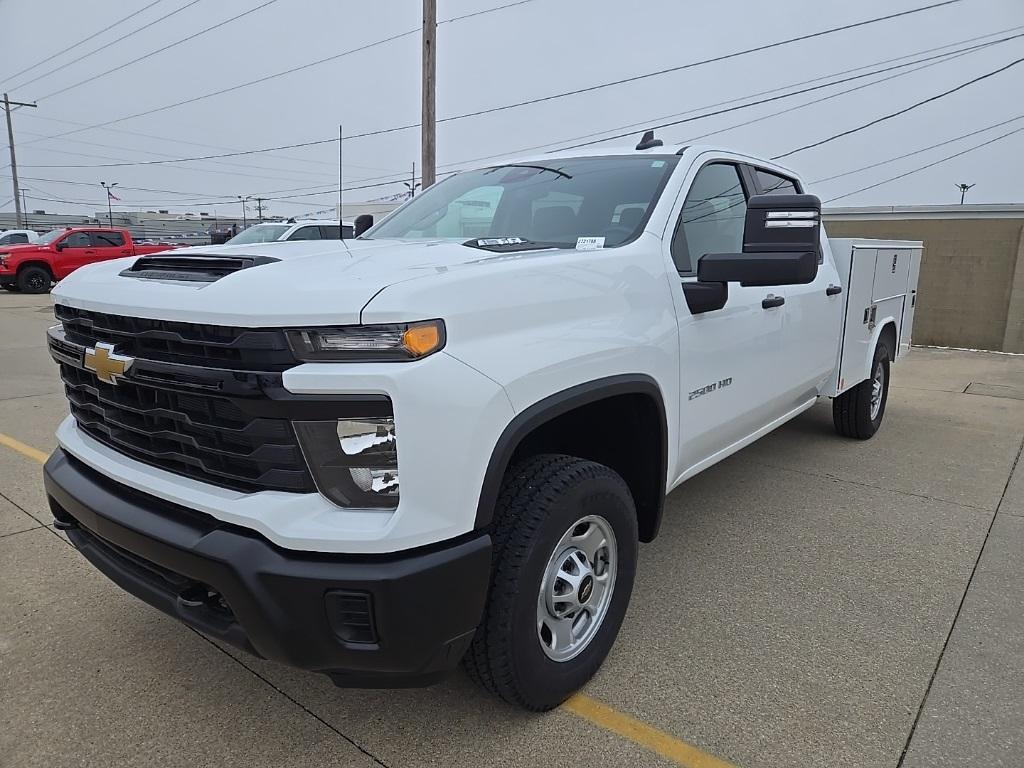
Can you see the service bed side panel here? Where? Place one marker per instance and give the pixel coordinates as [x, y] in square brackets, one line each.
[880, 282]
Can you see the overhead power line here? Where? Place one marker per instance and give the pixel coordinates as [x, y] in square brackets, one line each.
[175, 140]
[94, 35]
[925, 167]
[193, 36]
[527, 102]
[916, 151]
[701, 116]
[809, 89]
[903, 111]
[950, 56]
[283, 73]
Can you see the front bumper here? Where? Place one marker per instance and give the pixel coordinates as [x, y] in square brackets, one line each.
[367, 621]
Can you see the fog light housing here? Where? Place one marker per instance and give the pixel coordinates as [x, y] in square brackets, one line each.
[354, 461]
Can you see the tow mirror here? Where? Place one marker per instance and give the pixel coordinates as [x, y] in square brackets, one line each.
[781, 244]
[362, 223]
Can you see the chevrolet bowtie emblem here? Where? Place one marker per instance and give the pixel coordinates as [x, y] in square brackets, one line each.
[107, 364]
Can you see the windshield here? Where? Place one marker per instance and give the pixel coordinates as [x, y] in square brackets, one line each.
[553, 203]
[50, 236]
[261, 233]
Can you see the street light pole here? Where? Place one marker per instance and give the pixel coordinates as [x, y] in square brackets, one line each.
[963, 191]
[243, 201]
[110, 214]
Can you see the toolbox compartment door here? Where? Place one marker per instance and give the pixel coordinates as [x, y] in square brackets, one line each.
[879, 282]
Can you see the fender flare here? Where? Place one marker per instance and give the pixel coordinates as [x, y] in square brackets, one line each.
[555, 405]
[875, 336]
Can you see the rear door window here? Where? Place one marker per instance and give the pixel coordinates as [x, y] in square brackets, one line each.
[773, 184]
[305, 233]
[102, 239]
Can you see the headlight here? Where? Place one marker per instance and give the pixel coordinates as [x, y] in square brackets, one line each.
[354, 461]
[368, 343]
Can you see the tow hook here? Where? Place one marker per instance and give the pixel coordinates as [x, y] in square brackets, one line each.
[194, 596]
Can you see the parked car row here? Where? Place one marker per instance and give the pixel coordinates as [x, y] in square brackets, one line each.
[32, 263]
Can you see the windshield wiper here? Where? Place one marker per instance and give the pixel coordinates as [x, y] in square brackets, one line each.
[559, 171]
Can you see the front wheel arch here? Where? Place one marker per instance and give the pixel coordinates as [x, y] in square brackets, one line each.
[544, 427]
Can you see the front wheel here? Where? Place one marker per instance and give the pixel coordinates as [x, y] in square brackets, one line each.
[34, 280]
[565, 548]
[859, 410]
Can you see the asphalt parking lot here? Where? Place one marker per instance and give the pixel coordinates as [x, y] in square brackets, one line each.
[812, 601]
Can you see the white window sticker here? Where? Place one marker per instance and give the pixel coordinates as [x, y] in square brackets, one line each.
[657, 164]
[485, 241]
[589, 243]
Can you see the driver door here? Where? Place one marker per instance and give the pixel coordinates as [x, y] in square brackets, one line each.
[731, 382]
[75, 250]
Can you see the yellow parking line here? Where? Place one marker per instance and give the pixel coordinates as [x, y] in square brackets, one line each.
[24, 450]
[583, 706]
[646, 736]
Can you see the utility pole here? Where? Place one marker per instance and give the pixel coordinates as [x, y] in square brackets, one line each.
[109, 188]
[14, 163]
[428, 124]
[963, 191]
[341, 181]
[259, 207]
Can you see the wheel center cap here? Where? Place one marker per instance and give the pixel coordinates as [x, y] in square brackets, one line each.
[586, 589]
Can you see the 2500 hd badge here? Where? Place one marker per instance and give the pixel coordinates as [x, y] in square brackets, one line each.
[710, 388]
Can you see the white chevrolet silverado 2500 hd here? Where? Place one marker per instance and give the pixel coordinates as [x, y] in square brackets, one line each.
[443, 440]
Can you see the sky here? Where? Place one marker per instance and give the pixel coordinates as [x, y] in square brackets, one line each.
[522, 52]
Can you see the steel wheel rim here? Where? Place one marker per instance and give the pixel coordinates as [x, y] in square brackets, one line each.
[577, 589]
[877, 388]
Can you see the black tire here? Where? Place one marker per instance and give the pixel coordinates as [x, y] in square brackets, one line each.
[34, 280]
[540, 500]
[851, 411]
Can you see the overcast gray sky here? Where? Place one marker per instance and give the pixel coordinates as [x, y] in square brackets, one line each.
[519, 53]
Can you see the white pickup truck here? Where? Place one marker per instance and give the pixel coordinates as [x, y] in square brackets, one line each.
[443, 440]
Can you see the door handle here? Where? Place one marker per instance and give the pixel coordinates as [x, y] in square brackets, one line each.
[771, 300]
[832, 290]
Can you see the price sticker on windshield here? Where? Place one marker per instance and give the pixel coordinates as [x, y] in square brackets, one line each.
[589, 243]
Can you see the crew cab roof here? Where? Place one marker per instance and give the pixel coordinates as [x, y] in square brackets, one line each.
[690, 150]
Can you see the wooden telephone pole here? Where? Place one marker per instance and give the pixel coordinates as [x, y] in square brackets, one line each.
[14, 162]
[428, 117]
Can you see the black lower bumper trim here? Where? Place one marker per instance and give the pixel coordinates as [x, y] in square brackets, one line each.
[236, 586]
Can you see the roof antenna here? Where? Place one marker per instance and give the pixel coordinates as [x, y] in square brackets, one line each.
[648, 141]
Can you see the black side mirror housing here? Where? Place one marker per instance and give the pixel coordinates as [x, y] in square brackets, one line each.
[61, 245]
[781, 244]
[362, 223]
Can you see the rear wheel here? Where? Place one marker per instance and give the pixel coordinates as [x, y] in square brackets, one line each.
[34, 280]
[565, 546]
[858, 412]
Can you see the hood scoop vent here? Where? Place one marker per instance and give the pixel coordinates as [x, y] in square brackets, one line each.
[193, 269]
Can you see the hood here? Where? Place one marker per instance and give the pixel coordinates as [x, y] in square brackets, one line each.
[22, 247]
[315, 282]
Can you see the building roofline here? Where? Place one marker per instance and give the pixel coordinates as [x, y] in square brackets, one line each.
[967, 211]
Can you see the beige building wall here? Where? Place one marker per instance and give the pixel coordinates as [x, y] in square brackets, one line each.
[971, 290]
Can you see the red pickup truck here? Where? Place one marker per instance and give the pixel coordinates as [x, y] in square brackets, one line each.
[34, 267]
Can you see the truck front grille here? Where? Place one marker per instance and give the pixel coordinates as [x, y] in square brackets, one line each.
[250, 349]
[195, 434]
